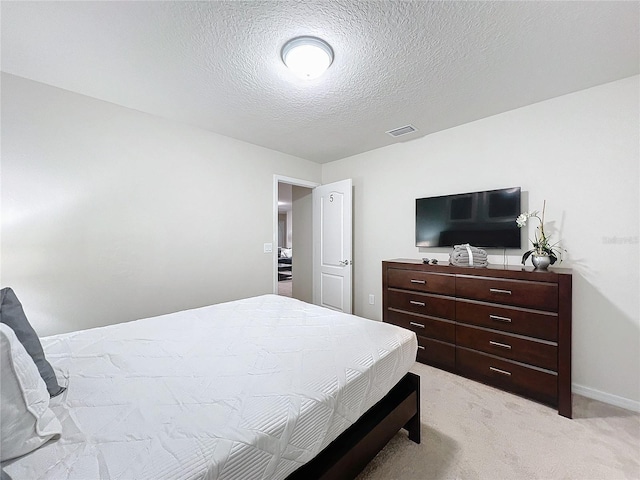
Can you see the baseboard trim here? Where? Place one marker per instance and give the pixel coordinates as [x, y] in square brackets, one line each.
[609, 398]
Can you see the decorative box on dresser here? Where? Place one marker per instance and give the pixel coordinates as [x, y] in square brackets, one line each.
[506, 326]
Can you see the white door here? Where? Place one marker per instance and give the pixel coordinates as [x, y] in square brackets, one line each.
[332, 239]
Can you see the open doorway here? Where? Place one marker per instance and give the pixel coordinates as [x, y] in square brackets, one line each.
[285, 239]
[293, 234]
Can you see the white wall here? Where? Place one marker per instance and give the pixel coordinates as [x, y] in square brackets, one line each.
[289, 217]
[109, 214]
[578, 152]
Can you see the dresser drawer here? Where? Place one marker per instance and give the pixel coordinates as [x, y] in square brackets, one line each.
[444, 330]
[422, 303]
[543, 325]
[438, 354]
[523, 293]
[422, 281]
[531, 382]
[520, 349]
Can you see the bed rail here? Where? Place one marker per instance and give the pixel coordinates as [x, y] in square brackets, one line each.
[348, 454]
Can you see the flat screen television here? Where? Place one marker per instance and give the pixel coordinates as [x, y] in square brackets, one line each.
[482, 219]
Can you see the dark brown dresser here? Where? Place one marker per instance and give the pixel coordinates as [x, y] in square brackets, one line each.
[509, 327]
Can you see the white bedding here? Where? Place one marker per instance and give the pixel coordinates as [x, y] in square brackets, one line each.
[247, 389]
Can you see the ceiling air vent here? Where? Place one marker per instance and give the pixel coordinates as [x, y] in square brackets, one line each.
[397, 132]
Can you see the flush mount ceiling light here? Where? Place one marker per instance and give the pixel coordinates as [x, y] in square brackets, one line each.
[307, 57]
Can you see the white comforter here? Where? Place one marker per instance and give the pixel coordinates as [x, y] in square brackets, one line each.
[247, 389]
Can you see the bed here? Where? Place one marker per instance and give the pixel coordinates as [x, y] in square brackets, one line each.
[267, 387]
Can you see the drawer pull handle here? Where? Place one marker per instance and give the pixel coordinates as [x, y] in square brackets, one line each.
[499, 290]
[498, 344]
[421, 282]
[420, 347]
[500, 319]
[420, 304]
[414, 324]
[497, 370]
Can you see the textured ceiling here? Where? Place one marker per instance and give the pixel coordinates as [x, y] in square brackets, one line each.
[217, 64]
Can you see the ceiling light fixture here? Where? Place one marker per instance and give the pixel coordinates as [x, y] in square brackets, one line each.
[307, 57]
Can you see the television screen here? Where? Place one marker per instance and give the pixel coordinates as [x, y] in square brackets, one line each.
[483, 219]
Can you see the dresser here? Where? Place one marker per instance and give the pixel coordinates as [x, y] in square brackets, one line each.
[506, 326]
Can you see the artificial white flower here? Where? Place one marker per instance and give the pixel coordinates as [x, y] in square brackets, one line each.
[541, 243]
[522, 220]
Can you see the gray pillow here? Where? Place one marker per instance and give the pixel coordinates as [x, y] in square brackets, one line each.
[12, 314]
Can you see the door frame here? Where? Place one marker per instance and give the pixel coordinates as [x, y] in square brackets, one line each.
[291, 181]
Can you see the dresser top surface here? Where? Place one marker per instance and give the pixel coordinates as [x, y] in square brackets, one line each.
[491, 270]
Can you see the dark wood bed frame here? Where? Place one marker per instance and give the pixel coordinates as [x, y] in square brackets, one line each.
[348, 454]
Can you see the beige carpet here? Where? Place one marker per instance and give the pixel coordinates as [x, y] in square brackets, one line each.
[285, 287]
[472, 431]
